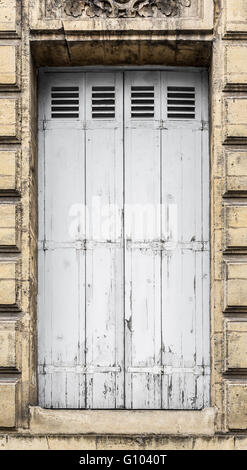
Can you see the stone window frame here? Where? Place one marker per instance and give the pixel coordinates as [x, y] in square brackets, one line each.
[130, 422]
[217, 38]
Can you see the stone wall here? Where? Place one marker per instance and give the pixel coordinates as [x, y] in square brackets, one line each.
[207, 33]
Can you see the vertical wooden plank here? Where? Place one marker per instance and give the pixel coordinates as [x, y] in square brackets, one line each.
[185, 267]
[142, 253]
[104, 255]
[61, 264]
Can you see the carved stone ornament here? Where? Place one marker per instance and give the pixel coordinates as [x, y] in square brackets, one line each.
[115, 8]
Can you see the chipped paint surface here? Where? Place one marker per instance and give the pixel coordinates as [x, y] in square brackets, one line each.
[131, 329]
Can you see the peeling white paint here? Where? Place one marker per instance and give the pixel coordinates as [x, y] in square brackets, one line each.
[124, 321]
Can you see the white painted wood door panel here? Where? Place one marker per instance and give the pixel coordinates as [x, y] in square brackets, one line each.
[185, 268]
[104, 257]
[142, 261]
[61, 266]
[123, 304]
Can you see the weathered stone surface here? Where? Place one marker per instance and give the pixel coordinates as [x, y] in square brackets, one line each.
[27, 443]
[114, 9]
[236, 171]
[7, 170]
[241, 443]
[111, 15]
[8, 343]
[121, 422]
[8, 65]
[8, 295]
[129, 52]
[235, 120]
[74, 442]
[237, 406]
[236, 233]
[138, 442]
[7, 404]
[9, 181]
[235, 17]
[142, 442]
[236, 285]
[236, 345]
[236, 65]
[10, 227]
[9, 119]
[217, 443]
[7, 16]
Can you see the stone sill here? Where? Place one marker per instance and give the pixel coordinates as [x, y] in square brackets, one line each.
[122, 422]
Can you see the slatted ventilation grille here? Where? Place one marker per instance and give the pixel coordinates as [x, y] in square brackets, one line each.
[142, 102]
[103, 102]
[181, 102]
[65, 102]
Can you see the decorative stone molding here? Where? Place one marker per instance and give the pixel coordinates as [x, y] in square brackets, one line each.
[115, 9]
[132, 17]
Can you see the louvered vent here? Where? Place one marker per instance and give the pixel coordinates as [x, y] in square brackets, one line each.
[181, 102]
[65, 102]
[103, 102]
[142, 102]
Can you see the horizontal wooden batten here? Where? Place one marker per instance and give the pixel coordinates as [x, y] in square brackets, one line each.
[155, 370]
[157, 245]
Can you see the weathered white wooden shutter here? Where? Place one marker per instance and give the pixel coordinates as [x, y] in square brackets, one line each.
[104, 252]
[142, 258]
[61, 299]
[81, 336]
[123, 309]
[185, 267]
